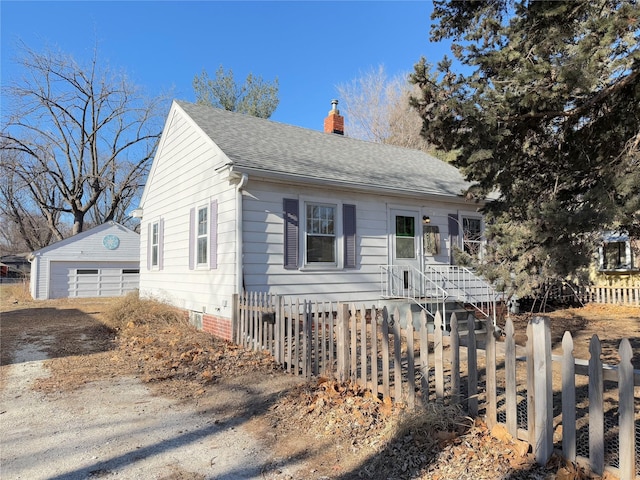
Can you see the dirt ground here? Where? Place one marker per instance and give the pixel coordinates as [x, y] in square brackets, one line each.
[610, 323]
[243, 416]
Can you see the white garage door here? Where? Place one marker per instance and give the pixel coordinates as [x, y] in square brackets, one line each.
[93, 279]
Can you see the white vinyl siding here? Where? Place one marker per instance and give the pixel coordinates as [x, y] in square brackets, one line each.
[182, 179]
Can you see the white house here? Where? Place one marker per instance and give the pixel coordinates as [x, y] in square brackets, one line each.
[236, 203]
[101, 262]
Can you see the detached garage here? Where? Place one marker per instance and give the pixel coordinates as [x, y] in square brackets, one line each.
[101, 262]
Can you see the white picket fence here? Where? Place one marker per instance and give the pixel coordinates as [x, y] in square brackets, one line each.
[597, 425]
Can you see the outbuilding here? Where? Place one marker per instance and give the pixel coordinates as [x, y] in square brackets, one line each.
[101, 262]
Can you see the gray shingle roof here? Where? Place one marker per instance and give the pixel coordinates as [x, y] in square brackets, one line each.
[253, 143]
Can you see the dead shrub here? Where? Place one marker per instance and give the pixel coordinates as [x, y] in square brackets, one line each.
[131, 310]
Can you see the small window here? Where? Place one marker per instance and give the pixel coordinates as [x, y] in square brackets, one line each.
[618, 252]
[321, 233]
[405, 237]
[130, 271]
[202, 239]
[155, 244]
[87, 271]
[615, 256]
[472, 239]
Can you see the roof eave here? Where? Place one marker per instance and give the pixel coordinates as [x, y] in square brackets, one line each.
[282, 177]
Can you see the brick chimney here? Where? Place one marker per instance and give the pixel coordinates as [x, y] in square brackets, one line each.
[334, 123]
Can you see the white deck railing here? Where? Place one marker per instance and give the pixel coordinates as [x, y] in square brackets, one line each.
[465, 286]
[404, 281]
[438, 284]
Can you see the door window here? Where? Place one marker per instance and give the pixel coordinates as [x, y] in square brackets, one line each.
[405, 237]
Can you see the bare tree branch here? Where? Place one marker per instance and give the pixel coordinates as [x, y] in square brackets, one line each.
[85, 133]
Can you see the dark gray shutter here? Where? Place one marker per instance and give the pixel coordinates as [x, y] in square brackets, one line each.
[192, 226]
[349, 232]
[213, 235]
[454, 235]
[291, 228]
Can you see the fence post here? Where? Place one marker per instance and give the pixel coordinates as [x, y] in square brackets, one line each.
[411, 375]
[342, 353]
[596, 407]
[472, 363]
[424, 357]
[353, 333]
[543, 390]
[278, 330]
[235, 313]
[491, 400]
[568, 398]
[625, 382]
[454, 338]
[438, 353]
[531, 398]
[397, 357]
[511, 400]
[374, 352]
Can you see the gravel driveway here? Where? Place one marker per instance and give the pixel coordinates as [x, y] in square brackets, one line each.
[113, 428]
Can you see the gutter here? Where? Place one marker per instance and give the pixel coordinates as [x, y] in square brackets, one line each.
[239, 287]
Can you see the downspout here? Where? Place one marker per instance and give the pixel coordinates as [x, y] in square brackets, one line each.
[239, 267]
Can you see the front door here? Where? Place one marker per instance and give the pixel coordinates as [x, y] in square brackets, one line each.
[405, 245]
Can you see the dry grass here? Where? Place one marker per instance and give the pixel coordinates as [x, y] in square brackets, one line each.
[15, 292]
[131, 310]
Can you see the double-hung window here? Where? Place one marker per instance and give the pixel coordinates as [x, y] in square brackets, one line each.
[202, 240]
[203, 236]
[155, 231]
[320, 233]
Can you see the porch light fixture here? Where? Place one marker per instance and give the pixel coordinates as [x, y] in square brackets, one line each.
[426, 219]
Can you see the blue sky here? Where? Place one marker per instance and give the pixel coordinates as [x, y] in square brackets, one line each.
[311, 46]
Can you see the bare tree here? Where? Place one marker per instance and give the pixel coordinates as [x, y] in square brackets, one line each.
[377, 109]
[26, 227]
[84, 137]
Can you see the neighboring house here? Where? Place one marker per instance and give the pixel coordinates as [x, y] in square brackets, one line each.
[618, 260]
[236, 203]
[14, 267]
[101, 262]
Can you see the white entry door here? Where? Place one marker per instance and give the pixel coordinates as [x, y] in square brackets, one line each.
[405, 245]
